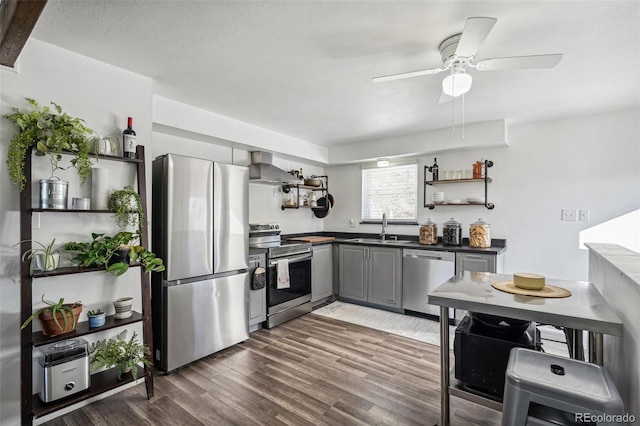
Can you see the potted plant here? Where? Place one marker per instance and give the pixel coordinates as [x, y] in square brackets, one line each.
[120, 353]
[51, 316]
[97, 318]
[44, 258]
[127, 205]
[107, 145]
[100, 251]
[49, 134]
[103, 249]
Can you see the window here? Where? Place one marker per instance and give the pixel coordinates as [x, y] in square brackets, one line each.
[391, 190]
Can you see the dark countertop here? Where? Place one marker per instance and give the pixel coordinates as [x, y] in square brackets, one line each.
[498, 246]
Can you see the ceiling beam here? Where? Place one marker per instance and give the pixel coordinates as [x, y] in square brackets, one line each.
[17, 20]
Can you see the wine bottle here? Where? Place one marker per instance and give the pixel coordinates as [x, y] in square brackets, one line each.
[129, 140]
[434, 169]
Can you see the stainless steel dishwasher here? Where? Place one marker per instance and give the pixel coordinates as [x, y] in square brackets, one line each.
[422, 271]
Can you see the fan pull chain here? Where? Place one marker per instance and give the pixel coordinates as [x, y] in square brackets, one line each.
[453, 109]
[462, 116]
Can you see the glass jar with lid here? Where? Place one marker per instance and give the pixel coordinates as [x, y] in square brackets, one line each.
[452, 233]
[429, 233]
[480, 234]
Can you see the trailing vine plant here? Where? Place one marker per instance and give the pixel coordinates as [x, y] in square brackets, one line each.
[50, 134]
[127, 206]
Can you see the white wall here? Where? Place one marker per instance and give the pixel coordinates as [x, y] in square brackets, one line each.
[103, 96]
[588, 163]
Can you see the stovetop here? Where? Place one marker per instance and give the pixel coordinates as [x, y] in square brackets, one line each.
[267, 235]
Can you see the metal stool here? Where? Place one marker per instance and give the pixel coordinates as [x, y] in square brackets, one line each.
[573, 386]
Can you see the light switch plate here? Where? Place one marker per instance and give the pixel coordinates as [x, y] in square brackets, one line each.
[583, 215]
[568, 214]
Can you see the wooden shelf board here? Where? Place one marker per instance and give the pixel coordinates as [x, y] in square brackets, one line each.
[83, 329]
[67, 270]
[456, 205]
[438, 182]
[100, 383]
[39, 210]
[93, 156]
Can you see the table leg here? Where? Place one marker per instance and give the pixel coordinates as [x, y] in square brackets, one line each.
[596, 348]
[444, 366]
[575, 342]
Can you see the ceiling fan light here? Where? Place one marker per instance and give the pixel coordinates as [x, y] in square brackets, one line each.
[456, 84]
[383, 162]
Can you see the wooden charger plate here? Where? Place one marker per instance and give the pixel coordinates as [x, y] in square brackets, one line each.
[546, 291]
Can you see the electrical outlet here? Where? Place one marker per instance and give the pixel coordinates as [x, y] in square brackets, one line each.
[36, 221]
[568, 214]
[583, 215]
[276, 191]
[353, 223]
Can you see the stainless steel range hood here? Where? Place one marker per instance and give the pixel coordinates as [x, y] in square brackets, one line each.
[262, 171]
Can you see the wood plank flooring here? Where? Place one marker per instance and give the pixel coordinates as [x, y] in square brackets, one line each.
[310, 371]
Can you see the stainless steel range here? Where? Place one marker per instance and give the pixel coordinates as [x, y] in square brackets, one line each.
[288, 273]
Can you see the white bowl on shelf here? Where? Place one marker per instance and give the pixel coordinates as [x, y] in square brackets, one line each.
[454, 201]
[472, 200]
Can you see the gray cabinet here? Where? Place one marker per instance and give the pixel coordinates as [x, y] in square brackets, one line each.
[257, 306]
[322, 272]
[475, 262]
[352, 272]
[371, 274]
[257, 298]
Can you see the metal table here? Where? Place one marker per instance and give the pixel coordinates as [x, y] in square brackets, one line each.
[585, 309]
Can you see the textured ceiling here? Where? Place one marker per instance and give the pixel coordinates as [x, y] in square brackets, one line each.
[304, 68]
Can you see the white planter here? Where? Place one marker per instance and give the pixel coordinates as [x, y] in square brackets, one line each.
[40, 264]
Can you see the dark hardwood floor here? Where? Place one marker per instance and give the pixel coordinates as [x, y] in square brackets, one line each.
[310, 371]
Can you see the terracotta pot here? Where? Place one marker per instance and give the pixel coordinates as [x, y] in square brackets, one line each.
[49, 326]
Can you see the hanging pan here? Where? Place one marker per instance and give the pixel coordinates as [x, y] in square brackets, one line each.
[324, 207]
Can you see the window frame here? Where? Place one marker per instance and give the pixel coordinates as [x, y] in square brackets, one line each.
[373, 167]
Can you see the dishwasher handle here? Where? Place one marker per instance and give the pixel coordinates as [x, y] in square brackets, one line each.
[446, 256]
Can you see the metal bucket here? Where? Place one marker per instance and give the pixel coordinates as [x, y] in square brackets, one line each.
[53, 194]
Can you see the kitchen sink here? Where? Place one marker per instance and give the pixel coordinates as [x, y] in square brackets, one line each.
[376, 241]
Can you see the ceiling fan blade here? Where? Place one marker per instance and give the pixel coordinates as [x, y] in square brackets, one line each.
[407, 75]
[474, 33]
[519, 62]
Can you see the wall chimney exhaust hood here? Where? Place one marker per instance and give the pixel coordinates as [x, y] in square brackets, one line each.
[262, 171]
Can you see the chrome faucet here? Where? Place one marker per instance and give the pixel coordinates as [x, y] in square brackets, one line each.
[384, 226]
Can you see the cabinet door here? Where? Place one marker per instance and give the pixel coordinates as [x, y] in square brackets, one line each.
[385, 276]
[475, 262]
[352, 272]
[257, 306]
[322, 272]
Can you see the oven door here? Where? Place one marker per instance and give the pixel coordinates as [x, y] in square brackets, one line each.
[300, 284]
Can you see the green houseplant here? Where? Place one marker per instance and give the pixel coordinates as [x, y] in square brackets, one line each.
[120, 353]
[50, 133]
[97, 318]
[103, 248]
[45, 257]
[51, 315]
[127, 206]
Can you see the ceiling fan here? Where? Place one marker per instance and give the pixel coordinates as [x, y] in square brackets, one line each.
[458, 53]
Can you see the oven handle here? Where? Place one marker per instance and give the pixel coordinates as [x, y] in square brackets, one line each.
[293, 259]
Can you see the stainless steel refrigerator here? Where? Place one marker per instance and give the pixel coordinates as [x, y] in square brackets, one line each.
[200, 228]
